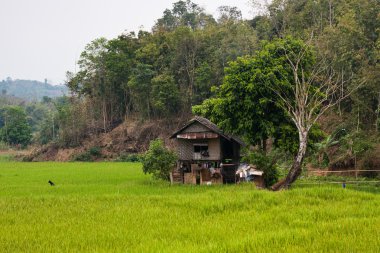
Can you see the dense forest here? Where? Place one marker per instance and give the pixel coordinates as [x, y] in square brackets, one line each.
[190, 61]
[163, 73]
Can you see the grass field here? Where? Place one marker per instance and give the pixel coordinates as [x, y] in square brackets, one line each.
[113, 207]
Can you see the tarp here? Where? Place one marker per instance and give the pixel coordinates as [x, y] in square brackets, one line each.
[246, 170]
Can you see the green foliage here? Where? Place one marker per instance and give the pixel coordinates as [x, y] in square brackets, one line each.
[4, 145]
[265, 163]
[356, 143]
[90, 155]
[346, 34]
[95, 151]
[129, 158]
[43, 119]
[286, 138]
[344, 148]
[184, 13]
[140, 86]
[72, 118]
[6, 158]
[158, 160]
[370, 163]
[245, 103]
[165, 96]
[162, 73]
[83, 157]
[14, 128]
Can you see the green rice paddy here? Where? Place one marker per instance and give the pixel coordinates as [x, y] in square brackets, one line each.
[113, 207]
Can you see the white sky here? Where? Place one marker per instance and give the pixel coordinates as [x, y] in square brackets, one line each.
[44, 38]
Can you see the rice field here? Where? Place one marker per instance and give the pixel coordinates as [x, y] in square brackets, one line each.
[113, 207]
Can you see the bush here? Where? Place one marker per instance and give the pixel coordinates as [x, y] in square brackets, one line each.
[158, 160]
[95, 151]
[129, 158]
[83, 157]
[88, 156]
[352, 147]
[4, 145]
[265, 163]
[370, 161]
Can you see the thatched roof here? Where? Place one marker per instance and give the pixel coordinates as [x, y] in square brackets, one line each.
[211, 126]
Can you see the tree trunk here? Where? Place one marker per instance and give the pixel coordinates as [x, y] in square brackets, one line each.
[104, 116]
[296, 168]
[330, 13]
[377, 122]
[265, 145]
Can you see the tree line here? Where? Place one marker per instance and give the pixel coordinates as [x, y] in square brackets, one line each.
[161, 73]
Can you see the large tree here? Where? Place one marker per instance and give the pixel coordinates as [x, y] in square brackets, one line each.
[261, 95]
[313, 88]
[245, 104]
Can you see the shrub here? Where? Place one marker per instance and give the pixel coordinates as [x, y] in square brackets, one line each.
[88, 156]
[4, 145]
[265, 163]
[129, 158]
[370, 161]
[352, 147]
[83, 157]
[95, 151]
[158, 160]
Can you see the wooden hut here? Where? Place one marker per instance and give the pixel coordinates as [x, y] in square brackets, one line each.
[206, 154]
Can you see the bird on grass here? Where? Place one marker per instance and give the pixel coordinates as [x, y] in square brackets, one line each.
[51, 183]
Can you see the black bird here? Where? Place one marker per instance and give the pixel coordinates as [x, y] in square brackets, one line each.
[51, 183]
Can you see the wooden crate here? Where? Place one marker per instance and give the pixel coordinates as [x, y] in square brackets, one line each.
[205, 176]
[195, 167]
[189, 178]
[217, 180]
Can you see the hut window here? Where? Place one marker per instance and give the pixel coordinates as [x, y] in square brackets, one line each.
[201, 149]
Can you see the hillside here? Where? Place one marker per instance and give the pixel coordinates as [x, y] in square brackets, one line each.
[130, 137]
[31, 90]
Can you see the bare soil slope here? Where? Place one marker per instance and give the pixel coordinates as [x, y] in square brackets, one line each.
[129, 137]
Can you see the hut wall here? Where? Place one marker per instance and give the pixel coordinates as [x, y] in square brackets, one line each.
[186, 149]
[214, 149]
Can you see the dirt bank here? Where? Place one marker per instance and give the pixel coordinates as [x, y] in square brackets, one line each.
[131, 136]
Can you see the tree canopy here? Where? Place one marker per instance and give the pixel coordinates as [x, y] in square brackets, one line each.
[14, 127]
[245, 103]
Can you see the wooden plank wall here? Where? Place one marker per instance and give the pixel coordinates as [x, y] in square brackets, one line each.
[186, 149]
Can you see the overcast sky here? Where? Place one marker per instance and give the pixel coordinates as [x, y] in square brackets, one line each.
[44, 38]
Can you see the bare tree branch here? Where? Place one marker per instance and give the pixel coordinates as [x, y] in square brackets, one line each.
[310, 96]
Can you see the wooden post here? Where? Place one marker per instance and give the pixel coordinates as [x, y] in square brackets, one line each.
[356, 169]
[171, 178]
